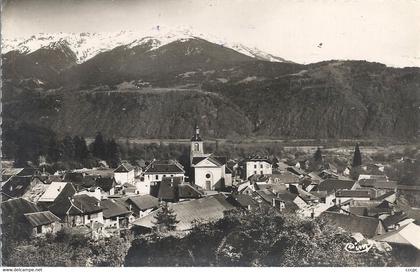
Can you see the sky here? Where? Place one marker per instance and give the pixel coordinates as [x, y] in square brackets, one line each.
[303, 31]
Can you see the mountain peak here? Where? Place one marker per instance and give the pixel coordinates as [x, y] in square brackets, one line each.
[86, 45]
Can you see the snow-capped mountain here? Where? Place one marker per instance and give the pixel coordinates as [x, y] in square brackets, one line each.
[87, 45]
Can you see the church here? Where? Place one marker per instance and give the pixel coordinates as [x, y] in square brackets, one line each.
[209, 171]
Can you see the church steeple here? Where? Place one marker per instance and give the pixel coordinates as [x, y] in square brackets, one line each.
[196, 136]
[196, 144]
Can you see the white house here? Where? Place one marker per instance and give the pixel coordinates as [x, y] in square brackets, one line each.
[209, 171]
[156, 171]
[256, 166]
[124, 173]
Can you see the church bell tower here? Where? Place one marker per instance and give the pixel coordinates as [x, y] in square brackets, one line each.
[196, 144]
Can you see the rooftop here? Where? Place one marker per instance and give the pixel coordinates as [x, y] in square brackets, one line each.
[41, 218]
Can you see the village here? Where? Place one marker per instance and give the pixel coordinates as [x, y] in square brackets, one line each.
[104, 202]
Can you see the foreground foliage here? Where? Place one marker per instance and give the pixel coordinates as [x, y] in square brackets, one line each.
[253, 239]
[67, 249]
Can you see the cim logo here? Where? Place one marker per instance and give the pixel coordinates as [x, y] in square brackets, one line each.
[358, 248]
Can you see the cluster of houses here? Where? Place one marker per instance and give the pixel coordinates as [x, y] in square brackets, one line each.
[103, 201]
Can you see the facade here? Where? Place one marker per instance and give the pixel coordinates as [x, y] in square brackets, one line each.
[209, 171]
[256, 166]
[159, 169]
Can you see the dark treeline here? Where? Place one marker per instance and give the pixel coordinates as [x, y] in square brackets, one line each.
[27, 144]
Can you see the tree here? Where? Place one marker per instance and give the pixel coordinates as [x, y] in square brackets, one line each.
[81, 152]
[55, 150]
[99, 147]
[113, 153]
[165, 218]
[259, 238]
[357, 157]
[318, 156]
[68, 149]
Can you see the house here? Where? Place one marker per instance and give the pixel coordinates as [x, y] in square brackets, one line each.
[243, 201]
[368, 226]
[256, 165]
[159, 169]
[210, 172]
[115, 214]
[80, 181]
[390, 196]
[142, 205]
[283, 201]
[78, 210]
[396, 220]
[286, 178]
[54, 190]
[107, 185]
[43, 222]
[14, 222]
[205, 209]
[297, 171]
[174, 189]
[16, 186]
[345, 194]
[7, 173]
[306, 196]
[333, 185]
[405, 242]
[124, 173]
[328, 174]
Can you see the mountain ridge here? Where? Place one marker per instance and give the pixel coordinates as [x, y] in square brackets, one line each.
[133, 91]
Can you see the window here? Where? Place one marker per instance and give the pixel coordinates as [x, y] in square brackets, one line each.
[164, 176]
[255, 166]
[39, 229]
[261, 172]
[89, 216]
[255, 172]
[196, 147]
[157, 177]
[261, 166]
[208, 176]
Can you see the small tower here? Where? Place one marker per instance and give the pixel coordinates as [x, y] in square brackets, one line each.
[196, 144]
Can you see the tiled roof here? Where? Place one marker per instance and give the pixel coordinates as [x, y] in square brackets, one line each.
[368, 226]
[168, 189]
[331, 185]
[186, 190]
[196, 160]
[383, 196]
[286, 178]
[144, 202]
[164, 167]
[53, 191]
[41, 218]
[112, 208]
[105, 183]
[354, 193]
[84, 204]
[406, 235]
[16, 186]
[17, 207]
[394, 219]
[244, 200]
[378, 184]
[124, 167]
[204, 209]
